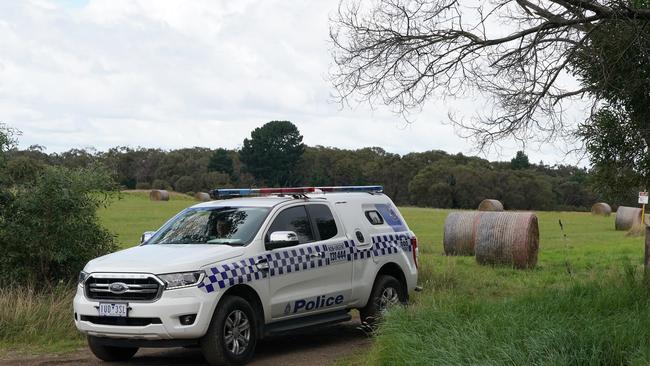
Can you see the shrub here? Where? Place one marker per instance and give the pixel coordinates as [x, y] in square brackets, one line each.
[143, 185]
[161, 184]
[23, 169]
[50, 228]
[214, 180]
[184, 184]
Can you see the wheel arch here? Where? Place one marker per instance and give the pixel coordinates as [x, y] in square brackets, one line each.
[250, 295]
[394, 270]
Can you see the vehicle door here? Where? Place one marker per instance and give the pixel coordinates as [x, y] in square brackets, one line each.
[315, 274]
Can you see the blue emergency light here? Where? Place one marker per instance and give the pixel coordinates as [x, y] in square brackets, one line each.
[247, 192]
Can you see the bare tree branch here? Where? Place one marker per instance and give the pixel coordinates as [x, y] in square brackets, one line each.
[403, 52]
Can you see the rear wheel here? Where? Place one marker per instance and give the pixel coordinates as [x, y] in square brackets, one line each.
[386, 293]
[232, 335]
[110, 353]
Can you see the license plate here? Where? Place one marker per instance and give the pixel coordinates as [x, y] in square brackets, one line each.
[118, 310]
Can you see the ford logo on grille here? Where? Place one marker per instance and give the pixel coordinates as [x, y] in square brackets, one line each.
[118, 288]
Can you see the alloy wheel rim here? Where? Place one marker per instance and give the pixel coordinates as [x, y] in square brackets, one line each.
[237, 332]
[389, 297]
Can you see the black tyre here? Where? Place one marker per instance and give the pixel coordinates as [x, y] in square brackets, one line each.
[110, 353]
[232, 335]
[386, 292]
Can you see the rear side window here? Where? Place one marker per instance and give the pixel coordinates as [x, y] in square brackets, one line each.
[294, 219]
[374, 217]
[323, 220]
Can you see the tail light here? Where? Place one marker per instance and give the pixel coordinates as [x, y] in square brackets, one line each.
[414, 249]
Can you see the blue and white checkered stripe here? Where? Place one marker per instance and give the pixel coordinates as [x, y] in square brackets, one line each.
[295, 260]
[298, 259]
[226, 275]
[390, 244]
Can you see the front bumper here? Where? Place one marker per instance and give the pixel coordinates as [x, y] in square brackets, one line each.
[168, 308]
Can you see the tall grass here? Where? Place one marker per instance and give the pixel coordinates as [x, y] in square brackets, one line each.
[604, 322]
[32, 320]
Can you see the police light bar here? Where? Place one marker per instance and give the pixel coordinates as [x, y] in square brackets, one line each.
[244, 192]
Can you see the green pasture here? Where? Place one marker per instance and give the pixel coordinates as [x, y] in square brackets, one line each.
[134, 213]
[584, 304]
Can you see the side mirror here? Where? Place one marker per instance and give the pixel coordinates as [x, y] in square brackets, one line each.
[282, 239]
[146, 236]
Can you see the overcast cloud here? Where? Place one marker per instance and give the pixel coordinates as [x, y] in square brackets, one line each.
[172, 74]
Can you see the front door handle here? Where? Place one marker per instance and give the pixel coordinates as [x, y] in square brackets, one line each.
[262, 265]
[317, 255]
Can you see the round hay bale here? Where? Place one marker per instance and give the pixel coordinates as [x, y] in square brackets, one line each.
[159, 195]
[627, 217]
[490, 205]
[601, 208]
[202, 196]
[459, 232]
[507, 238]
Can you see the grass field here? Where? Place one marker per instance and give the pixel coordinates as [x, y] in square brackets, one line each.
[584, 304]
[134, 213]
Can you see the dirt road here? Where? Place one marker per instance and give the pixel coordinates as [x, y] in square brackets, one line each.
[310, 347]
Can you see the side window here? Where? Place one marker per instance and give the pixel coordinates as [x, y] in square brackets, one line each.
[322, 218]
[294, 219]
[374, 217]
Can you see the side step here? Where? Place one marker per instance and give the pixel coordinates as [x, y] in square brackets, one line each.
[306, 322]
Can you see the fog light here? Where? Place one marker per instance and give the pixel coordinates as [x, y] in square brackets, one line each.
[187, 319]
[75, 316]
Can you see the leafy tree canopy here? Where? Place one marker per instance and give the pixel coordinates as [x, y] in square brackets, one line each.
[273, 152]
[520, 161]
[220, 161]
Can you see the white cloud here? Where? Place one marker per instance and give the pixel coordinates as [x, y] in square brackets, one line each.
[203, 73]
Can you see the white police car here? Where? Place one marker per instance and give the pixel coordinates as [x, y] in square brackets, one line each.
[226, 273]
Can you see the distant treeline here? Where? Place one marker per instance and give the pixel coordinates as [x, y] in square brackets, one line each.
[432, 178]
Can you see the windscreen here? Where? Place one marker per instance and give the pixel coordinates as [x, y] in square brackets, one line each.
[214, 225]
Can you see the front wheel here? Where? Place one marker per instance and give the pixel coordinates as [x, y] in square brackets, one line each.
[386, 292]
[232, 335]
[110, 353]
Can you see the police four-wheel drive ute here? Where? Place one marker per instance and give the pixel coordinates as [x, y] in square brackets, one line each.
[226, 273]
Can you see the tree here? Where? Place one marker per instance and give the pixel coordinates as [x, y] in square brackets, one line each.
[50, 229]
[7, 142]
[618, 152]
[404, 52]
[273, 152]
[520, 161]
[220, 161]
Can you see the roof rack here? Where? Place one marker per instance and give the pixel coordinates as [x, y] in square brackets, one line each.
[293, 191]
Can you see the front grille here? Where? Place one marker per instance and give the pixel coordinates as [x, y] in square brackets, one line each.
[127, 322]
[140, 287]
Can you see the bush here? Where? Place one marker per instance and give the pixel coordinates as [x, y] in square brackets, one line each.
[50, 228]
[184, 184]
[23, 169]
[143, 185]
[161, 184]
[214, 180]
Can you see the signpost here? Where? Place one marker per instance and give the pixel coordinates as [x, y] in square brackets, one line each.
[643, 200]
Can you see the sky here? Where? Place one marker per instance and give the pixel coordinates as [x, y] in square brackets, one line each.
[172, 74]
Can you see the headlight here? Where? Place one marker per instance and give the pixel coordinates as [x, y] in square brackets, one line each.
[82, 277]
[181, 279]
